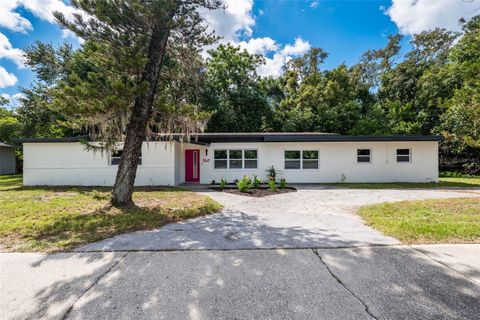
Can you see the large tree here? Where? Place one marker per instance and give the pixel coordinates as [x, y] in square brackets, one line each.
[234, 92]
[115, 79]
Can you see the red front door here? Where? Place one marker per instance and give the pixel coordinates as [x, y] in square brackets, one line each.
[192, 165]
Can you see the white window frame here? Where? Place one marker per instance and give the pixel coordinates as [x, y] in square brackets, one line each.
[364, 156]
[409, 155]
[301, 159]
[242, 158]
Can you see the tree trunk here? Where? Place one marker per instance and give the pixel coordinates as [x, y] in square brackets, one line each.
[136, 129]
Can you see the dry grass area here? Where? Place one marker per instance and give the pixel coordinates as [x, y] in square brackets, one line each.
[427, 221]
[53, 219]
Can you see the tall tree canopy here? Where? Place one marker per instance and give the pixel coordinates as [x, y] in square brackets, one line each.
[233, 91]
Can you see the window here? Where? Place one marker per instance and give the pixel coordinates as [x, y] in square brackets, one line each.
[306, 159]
[363, 155]
[292, 160]
[221, 159]
[251, 161]
[235, 159]
[117, 155]
[310, 159]
[403, 155]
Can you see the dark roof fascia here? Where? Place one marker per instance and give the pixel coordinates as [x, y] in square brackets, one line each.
[309, 138]
[51, 140]
[206, 139]
[340, 138]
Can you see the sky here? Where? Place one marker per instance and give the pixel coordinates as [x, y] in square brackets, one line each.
[277, 29]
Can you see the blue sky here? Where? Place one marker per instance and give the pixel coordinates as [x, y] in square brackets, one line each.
[278, 29]
[335, 26]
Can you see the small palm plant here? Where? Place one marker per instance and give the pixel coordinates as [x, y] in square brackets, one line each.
[282, 183]
[245, 184]
[257, 182]
[272, 185]
[223, 183]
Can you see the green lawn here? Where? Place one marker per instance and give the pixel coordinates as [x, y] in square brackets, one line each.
[428, 221]
[51, 219]
[443, 183]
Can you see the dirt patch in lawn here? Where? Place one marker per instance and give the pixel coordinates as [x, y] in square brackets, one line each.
[257, 193]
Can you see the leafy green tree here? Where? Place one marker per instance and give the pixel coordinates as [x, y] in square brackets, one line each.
[234, 92]
[415, 88]
[9, 125]
[316, 100]
[461, 121]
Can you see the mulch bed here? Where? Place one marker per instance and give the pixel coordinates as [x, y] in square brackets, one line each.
[257, 193]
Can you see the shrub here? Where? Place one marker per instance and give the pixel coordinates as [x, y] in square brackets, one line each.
[272, 173]
[244, 184]
[283, 183]
[272, 185]
[257, 182]
[223, 183]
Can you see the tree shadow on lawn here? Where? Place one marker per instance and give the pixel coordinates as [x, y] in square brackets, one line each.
[55, 222]
[393, 282]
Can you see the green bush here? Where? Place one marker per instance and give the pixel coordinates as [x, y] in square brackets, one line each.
[244, 184]
[283, 183]
[223, 183]
[257, 182]
[452, 174]
[272, 185]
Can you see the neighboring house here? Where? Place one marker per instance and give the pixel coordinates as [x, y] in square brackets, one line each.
[301, 158]
[7, 158]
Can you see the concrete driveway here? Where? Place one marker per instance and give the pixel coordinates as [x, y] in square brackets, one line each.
[313, 217]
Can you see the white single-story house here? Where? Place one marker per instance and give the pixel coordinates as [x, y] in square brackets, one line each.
[300, 158]
[7, 158]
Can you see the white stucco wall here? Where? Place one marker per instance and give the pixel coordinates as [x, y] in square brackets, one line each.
[335, 159]
[70, 164]
[163, 163]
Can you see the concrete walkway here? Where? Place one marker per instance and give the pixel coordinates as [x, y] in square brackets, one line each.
[314, 217]
[389, 282]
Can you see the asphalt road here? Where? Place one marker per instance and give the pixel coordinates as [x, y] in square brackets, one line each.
[387, 282]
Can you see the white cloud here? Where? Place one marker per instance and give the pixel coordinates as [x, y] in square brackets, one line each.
[42, 9]
[236, 20]
[8, 52]
[7, 79]
[299, 47]
[259, 45]
[415, 16]
[314, 4]
[13, 20]
[273, 66]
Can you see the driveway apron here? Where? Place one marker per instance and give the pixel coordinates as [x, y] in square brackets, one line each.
[313, 217]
